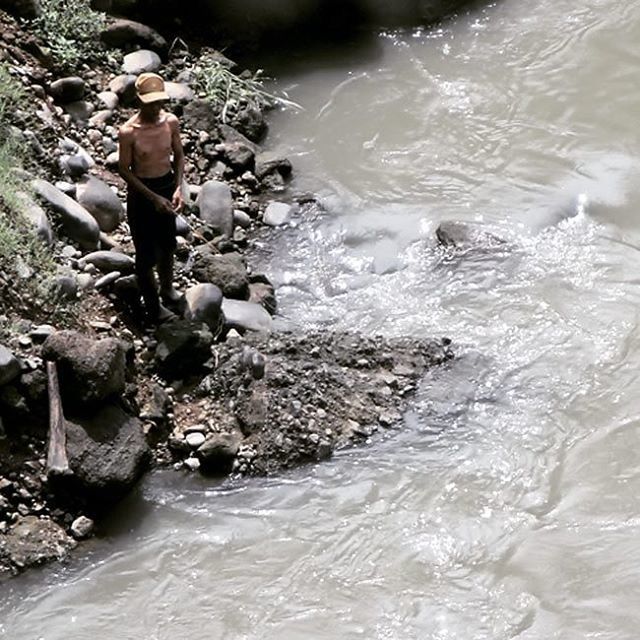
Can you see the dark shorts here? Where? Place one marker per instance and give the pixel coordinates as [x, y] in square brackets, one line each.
[153, 233]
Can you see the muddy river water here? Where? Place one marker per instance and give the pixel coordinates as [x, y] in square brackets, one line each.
[509, 505]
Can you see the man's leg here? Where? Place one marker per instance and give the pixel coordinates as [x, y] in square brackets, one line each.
[149, 291]
[165, 274]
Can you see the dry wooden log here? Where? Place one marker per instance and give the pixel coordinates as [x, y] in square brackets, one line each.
[57, 462]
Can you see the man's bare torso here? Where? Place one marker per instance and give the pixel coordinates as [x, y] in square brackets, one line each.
[151, 149]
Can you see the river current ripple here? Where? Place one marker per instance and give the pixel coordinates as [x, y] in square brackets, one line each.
[508, 506]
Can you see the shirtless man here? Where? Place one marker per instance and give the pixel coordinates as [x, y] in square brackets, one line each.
[148, 141]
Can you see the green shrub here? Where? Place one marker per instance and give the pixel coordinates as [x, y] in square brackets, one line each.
[71, 29]
[230, 93]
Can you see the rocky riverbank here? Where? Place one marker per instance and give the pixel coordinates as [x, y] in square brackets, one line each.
[91, 397]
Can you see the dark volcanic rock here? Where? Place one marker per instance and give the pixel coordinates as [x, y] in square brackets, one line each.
[227, 271]
[462, 235]
[218, 452]
[90, 370]
[67, 90]
[127, 34]
[252, 124]
[9, 366]
[183, 347]
[107, 454]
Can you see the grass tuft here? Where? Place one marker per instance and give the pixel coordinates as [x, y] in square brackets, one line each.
[230, 94]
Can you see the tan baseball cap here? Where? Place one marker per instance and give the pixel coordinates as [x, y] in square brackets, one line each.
[150, 88]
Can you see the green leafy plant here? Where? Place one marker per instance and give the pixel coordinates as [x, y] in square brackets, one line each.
[230, 93]
[71, 29]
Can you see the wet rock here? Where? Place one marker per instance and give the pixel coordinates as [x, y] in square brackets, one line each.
[215, 204]
[77, 222]
[218, 452]
[246, 316]
[227, 271]
[268, 163]
[183, 347]
[141, 61]
[90, 371]
[82, 527]
[263, 294]
[9, 366]
[108, 261]
[32, 541]
[451, 233]
[252, 410]
[67, 90]
[101, 202]
[107, 453]
[277, 214]
[231, 135]
[204, 304]
[127, 34]
[74, 166]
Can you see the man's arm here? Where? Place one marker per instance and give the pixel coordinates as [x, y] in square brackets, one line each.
[178, 162]
[125, 160]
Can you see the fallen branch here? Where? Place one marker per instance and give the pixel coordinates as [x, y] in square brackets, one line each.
[57, 462]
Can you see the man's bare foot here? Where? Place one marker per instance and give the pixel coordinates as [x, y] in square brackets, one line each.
[170, 296]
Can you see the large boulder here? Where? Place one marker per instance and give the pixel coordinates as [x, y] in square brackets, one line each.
[183, 347]
[77, 222]
[141, 61]
[204, 304]
[108, 261]
[128, 34]
[246, 316]
[215, 203]
[107, 453]
[101, 202]
[90, 371]
[68, 89]
[227, 271]
[9, 366]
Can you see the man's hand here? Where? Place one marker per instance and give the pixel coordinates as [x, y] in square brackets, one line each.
[177, 202]
[163, 205]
